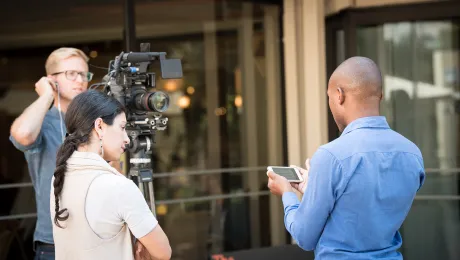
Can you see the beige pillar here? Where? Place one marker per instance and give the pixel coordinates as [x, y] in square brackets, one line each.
[305, 78]
[314, 71]
[292, 78]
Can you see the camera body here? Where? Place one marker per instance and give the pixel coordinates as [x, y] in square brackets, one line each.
[129, 81]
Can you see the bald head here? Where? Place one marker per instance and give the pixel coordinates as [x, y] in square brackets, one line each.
[354, 90]
[358, 76]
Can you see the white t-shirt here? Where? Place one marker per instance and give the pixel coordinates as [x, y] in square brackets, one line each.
[113, 200]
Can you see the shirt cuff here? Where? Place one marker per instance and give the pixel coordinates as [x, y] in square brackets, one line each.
[289, 199]
[33, 147]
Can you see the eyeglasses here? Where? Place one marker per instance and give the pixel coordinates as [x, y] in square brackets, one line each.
[73, 74]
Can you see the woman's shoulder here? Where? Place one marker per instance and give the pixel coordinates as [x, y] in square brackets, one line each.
[112, 180]
[112, 185]
[110, 191]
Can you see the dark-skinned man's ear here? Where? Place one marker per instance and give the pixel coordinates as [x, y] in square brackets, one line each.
[341, 95]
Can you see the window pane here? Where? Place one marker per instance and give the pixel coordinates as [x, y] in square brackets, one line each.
[432, 230]
[420, 64]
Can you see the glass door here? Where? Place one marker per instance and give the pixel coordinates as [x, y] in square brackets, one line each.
[420, 64]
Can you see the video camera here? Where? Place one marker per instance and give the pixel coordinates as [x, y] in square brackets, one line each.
[129, 81]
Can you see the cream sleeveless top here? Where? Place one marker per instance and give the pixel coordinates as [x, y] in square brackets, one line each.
[77, 240]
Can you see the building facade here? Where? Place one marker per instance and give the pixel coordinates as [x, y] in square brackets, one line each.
[253, 94]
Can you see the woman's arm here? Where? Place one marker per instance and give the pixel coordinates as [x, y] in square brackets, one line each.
[133, 209]
[156, 243]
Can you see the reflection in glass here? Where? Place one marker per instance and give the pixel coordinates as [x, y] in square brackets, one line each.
[221, 44]
[206, 130]
[420, 64]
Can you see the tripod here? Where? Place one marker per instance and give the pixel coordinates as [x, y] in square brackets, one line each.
[141, 173]
[140, 167]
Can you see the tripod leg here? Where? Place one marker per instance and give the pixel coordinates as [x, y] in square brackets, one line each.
[152, 199]
[141, 187]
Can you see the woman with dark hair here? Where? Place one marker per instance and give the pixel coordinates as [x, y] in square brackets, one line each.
[95, 208]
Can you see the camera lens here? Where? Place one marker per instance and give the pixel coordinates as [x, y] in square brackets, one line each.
[159, 101]
[153, 101]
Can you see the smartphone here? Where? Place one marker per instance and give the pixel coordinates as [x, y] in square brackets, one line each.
[292, 174]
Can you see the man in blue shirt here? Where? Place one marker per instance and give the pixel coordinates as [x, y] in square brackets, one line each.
[39, 131]
[358, 188]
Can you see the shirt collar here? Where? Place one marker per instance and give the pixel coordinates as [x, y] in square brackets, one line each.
[54, 112]
[366, 122]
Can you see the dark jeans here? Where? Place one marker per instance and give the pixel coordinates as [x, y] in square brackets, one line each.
[44, 252]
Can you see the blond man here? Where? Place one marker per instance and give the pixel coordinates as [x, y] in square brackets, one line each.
[40, 130]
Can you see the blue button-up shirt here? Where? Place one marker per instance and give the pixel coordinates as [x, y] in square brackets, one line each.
[41, 159]
[360, 189]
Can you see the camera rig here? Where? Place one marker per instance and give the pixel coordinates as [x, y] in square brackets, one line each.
[129, 81]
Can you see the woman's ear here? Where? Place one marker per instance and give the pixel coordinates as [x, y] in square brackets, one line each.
[99, 127]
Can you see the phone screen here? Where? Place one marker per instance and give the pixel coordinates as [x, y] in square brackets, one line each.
[289, 173]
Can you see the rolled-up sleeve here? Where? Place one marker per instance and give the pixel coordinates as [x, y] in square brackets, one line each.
[32, 148]
[305, 220]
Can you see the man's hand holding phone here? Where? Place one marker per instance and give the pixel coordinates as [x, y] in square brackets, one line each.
[304, 172]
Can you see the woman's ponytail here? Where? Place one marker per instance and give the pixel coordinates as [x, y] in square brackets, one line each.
[66, 150]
